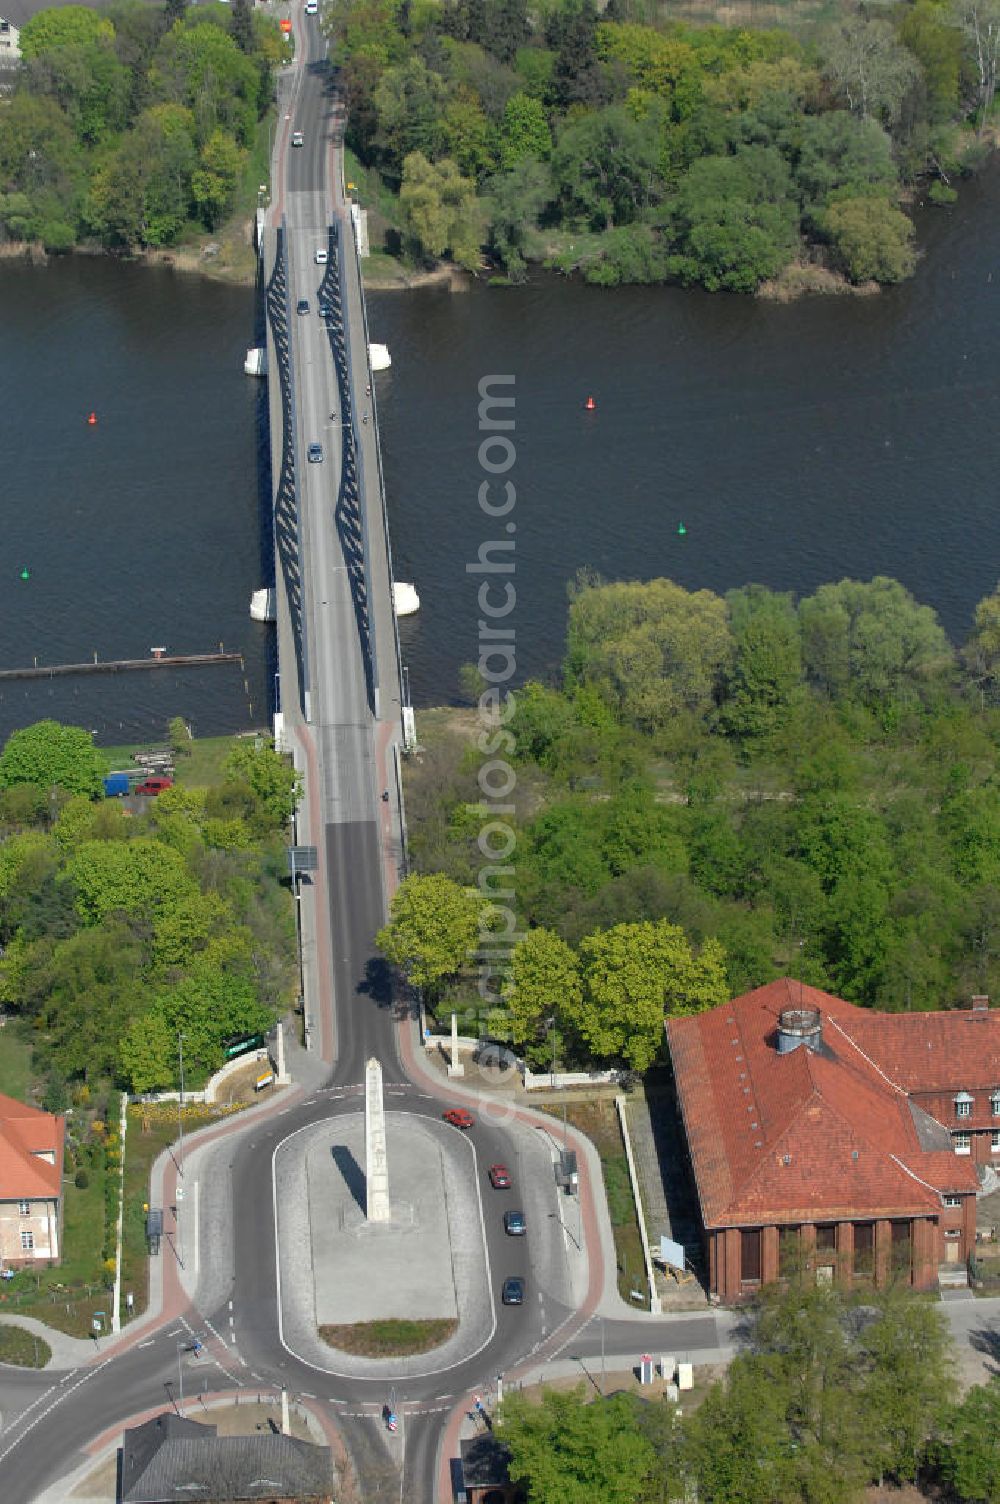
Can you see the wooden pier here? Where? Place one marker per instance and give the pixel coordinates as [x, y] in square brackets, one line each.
[121, 665]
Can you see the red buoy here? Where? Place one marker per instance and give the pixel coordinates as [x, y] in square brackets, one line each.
[590, 404]
[92, 419]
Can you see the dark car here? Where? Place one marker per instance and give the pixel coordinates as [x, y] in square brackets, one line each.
[302, 306]
[315, 454]
[153, 786]
[500, 1177]
[458, 1117]
[512, 1293]
[514, 1224]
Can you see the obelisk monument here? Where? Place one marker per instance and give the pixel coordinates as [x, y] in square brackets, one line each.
[376, 1158]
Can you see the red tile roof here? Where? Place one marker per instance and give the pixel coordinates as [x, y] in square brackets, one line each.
[25, 1135]
[829, 1133]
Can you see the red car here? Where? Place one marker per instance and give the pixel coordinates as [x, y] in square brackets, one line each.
[500, 1177]
[153, 786]
[458, 1117]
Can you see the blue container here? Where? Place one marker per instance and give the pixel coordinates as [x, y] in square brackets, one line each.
[115, 784]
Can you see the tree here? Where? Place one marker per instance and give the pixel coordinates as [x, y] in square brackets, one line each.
[53, 756]
[67, 26]
[544, 981]
[241, 25]
[433, 928]
[514, 203]
[440, 210]
[633, 975]
[605, 166]
[871, 238]
[83, 995]
[767, 668]
[468, 135]
[937, 46]
[653, 650]
[524, 131]
[139, 877]
[906, 1351]
[733, 222]
[873, 639]
[870, 67]
[272, 782]
[571, 1452]
[214, 181]
[979, 23]
[967, 1457]
[146, 1052]
[836, 152]
[982, 651]
[201, 66]
[410, 101]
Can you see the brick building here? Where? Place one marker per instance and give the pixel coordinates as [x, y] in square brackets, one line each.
[31, 1166]
[835, 1136]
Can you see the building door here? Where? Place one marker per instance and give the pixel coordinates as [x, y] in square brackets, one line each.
[952, 1249]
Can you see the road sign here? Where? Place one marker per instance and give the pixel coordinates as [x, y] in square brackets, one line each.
[96, 1325]
[302, 859]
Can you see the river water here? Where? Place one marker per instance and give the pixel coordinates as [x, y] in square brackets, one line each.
[795, 444]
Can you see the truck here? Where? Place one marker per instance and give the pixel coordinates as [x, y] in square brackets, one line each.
[115, 785]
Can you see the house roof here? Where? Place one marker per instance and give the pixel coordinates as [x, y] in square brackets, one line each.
[170, 1458]
[825, 1133]
[19, 12]
[26, 1133]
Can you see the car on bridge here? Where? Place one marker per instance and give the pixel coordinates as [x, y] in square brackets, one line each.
[458, 1117]
[512, 1293]
[298, 139]
[321, 255]
[500, 1177]
[312, 6]
[314, 454]
[514, 1224]
[302, 306]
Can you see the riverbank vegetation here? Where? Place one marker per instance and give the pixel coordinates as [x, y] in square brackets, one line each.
[120, 928]
[831, 1395]
[133, 125]
[720, 791]
[629, 146]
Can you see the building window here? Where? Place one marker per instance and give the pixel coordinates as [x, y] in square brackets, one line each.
[864, 1248]
[963, 1143]
[750, 1254]
[789, 1256]
[826, 1238]
[995, 1104]
[995, 1140]
[27, 1241]
[24, 1207]
[953, 1201]
[963, 1105]
[901, 1254]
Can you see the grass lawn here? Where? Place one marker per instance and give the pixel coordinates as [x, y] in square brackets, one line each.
[389, 1338]
[23, 1348]
[204, 768]
[598, 1119]
[16, 1076]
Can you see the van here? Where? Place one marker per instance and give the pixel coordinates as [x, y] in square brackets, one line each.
[153, 786]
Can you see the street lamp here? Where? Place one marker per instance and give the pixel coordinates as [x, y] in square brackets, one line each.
[180, 1106]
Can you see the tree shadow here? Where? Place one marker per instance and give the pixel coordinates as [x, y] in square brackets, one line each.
[378, 982]
[353, 1175]
[986, 1340]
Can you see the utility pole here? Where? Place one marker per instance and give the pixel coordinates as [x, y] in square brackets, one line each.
[180, 1107]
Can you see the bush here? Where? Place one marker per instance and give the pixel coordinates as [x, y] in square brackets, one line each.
[941, 193]
[81, 1179]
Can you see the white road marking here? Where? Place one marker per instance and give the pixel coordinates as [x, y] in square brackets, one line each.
[148, 1343]
[89, 1374]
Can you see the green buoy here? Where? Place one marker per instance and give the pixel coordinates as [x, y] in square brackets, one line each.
[681, 530]
[25, 574]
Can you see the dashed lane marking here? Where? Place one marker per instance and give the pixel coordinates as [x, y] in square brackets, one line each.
[88, 1374]
[148, 1343]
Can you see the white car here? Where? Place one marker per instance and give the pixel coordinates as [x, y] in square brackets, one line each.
[321, 257]
[297, 138]
[312, 6]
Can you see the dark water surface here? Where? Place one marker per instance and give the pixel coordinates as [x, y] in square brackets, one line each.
[796, 444]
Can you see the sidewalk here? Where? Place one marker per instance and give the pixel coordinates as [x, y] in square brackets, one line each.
[67, 1352]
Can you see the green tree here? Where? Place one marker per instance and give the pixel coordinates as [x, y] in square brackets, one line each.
[410, 102]
[544, 982]
[53, 756]
[468, 135]
[139, 877]
[440, 211]
[836, 152]
[146, 1052]
[214, 181]
[967, 1457]
[84, 994]
[982, 651]
[872, 239]
[979, 24]
[524, 131]
[66, 26]
[433, 928]
[734, 221]
[241, 25]
[200, 66]
[906, 1351]
[270, 778]
[653, 650]
[514, 203]
[767, 668]
[633, 975]
[605, 167]
[873, 639]
[571, 1452]
[924, 29]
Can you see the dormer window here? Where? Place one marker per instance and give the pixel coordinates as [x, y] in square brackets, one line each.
[963, 1105]
[995, 1103]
